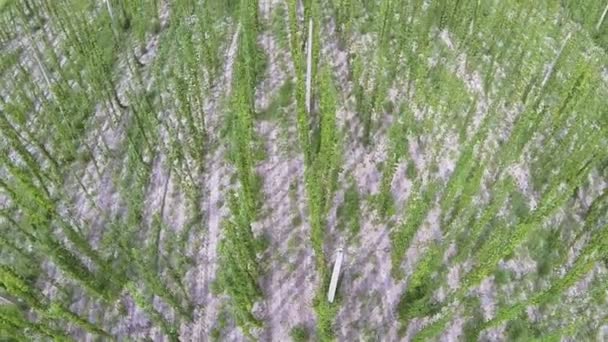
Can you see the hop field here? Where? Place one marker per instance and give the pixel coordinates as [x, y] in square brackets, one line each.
[186, 170]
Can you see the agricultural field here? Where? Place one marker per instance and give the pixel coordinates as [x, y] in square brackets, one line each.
[187, 170]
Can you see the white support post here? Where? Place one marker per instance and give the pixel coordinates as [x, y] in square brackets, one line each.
[552, 66]
[112, 23]
[110, 11]
[232, 51]
[309, 68]
[334, 276]
[5, 301]
[599, 23]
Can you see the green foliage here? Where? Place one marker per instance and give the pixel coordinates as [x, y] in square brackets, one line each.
[520, 330]
[349, 216]
[399, 143]
[417, 300]
[238, 276]
[321, 160]
[299, 66]
[503, 104]
[60, 312]
[283, 99]
[14, 324]
[4, 3]
[417, 208]
[431, 331]
[279, 27]
[16, 285]
[325, 312]
[321, 179]
[219, 327]
[299, 334]
[327, 159]
[588, 15]
[145, 303]
[471, 327]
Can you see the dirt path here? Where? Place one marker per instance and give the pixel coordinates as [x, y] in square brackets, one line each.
[289, 276]
[366, 272]
[372, 291]
[215, 182]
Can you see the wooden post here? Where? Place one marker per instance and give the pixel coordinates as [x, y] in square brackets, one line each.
[334, 276]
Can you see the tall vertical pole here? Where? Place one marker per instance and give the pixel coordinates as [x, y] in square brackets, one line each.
[309, 68]
[552, 66]
[599, 23]
[110, 11]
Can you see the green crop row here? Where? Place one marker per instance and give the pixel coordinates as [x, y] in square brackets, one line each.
[17, 286]
[69, 94]
[320, 143]
[239, 249]
[461, 190]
